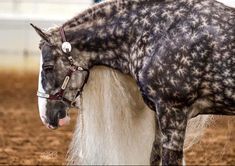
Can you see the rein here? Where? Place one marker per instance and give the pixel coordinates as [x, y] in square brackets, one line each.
[66, 48]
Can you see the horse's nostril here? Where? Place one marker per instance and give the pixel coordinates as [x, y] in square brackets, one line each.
[61, 114]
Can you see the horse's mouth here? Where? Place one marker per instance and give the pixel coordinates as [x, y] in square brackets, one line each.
[51, 127]
[64, 121]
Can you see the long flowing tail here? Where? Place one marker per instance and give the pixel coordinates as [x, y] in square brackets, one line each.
[115, 126]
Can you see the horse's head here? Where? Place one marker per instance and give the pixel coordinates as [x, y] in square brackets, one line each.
[61, 80]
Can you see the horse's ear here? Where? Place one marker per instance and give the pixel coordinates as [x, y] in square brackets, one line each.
[44, 35]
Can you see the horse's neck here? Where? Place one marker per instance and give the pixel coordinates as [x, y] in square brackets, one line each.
[104, 8]
[107, 33]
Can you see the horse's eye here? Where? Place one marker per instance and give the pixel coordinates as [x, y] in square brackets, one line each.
[48, 68]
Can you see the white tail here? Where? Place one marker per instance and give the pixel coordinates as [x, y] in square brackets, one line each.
[115, 126]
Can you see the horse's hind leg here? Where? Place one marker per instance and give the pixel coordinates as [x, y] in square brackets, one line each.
[172, 123]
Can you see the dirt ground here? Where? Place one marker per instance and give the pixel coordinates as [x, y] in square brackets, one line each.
[24, 140]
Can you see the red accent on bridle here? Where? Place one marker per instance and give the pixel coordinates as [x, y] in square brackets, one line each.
[62, 34]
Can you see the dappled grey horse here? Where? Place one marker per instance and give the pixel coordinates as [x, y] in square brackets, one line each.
[181, 54]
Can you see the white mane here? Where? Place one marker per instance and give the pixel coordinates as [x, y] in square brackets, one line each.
[114, 125]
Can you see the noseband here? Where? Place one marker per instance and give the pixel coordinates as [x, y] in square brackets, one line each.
[66, 48]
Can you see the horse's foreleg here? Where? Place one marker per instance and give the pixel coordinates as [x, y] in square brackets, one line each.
[172, 123]
[155, 158]
[156, 153]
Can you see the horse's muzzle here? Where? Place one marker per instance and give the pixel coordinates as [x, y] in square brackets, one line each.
[61, 122]
[61, 118]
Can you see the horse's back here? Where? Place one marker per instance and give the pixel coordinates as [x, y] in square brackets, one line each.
[194, 58]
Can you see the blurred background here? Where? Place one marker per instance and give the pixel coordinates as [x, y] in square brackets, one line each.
[23, 138]
[18, 40]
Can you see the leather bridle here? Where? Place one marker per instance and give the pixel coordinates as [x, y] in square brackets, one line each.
[66, 48]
